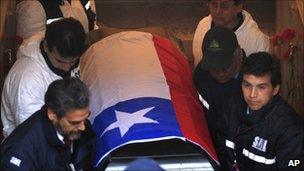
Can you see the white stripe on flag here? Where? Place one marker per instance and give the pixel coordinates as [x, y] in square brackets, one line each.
[128, 70]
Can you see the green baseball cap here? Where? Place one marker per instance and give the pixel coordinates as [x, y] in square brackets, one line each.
[218, 47]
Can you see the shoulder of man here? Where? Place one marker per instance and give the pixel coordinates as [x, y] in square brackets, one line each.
[18, 149]
[287, 114]
[25, 131]
[290, 129]
[234, 106]
[250, 27]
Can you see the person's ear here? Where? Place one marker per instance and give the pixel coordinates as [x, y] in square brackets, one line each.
[276, 90]
[51, 115]
[45, 46]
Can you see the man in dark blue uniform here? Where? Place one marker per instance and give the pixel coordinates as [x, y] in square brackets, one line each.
[262, 132]
[216, 77]
[56, 137]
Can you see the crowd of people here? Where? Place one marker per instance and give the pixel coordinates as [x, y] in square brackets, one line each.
[44, 104]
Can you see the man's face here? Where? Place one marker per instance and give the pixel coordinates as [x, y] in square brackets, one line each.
[72, 124]
[258, 91]
[58, 61]
[224, 12]
[61, 63]
[225, 75]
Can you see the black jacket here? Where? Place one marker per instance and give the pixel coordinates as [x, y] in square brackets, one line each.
[271, 138]
[216, 95]
[34, 145]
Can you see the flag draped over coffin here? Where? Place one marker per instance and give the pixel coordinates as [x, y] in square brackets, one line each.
[141, 91]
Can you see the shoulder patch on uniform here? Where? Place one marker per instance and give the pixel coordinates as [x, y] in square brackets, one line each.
[15, 161]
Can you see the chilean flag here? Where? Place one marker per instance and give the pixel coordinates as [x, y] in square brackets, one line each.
[141, 91]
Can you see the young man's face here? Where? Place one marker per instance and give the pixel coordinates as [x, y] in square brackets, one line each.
[72, 124]
[224, 12]
[58, 61]
[258, 91]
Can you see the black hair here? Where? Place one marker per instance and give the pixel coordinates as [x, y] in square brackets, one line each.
[236, 2]
[262, 63]
[67, 36]
[66, 94]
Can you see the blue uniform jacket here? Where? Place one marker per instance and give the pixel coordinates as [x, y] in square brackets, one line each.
[34, 145]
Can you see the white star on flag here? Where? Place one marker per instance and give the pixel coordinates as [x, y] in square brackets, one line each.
[126, 120]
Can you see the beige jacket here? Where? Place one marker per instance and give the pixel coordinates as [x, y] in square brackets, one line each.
[249, 36]
[31, 17]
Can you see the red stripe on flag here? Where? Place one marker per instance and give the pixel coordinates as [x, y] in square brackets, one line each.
[188, 109]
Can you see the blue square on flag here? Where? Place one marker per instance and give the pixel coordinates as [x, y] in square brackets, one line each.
[140, 119]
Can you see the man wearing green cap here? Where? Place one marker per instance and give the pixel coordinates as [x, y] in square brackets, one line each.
[216, 76]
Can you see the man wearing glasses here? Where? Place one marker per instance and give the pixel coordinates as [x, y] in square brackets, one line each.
[230, 14]
[56, 137]
[40, 61]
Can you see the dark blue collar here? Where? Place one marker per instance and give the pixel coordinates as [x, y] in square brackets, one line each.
[49, 130]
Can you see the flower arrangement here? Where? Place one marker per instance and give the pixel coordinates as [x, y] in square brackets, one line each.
[285, 47]
[281, 39]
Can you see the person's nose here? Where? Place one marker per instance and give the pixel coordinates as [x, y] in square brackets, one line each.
[66, 67]
[81, 126]
[218, 9]
[221, 73]
[253, 92]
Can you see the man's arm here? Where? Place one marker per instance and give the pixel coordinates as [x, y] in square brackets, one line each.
[29, 97]
[22, 96]
[197, 42]
[225, 154]
[15, 157]
[290, 149]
